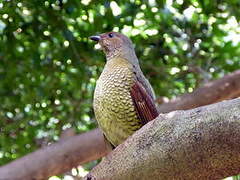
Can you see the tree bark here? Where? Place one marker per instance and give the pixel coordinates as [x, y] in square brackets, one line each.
[57, 158]
[215, 91]
[62, 156]
[202, 143]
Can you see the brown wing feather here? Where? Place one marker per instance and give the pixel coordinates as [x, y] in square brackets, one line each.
[143, 102]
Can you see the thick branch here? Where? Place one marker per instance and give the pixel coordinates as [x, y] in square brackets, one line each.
[56, 158]
[212, 92]
[202, 143]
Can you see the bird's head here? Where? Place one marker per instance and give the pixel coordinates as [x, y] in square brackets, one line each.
[114, 44]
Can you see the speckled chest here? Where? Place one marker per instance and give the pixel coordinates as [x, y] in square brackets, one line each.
[113, 106]
[112, 93]
[113, 83]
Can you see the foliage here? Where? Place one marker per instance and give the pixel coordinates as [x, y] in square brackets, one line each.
[48, 66]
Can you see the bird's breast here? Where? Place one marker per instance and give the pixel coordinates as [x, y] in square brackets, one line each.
[113, 106]
[114, 86]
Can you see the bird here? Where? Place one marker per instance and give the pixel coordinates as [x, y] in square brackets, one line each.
[123, 99]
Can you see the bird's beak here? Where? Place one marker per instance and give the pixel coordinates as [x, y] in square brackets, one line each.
[95, 38]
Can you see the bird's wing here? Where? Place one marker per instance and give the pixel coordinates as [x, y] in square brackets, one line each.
[144, 103]
[140, 77]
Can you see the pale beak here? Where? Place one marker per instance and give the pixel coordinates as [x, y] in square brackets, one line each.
[95, 38]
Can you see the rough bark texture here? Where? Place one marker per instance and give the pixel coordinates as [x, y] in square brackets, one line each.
[215, 91]
[202, 143]
[56, 158]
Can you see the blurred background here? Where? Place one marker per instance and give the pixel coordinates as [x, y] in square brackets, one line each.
[49, 67]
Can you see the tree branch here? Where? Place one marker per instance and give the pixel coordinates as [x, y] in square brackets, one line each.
[202, 143]
[212, 92]
[57, 158]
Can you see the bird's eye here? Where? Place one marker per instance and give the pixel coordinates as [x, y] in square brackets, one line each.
[110, 35]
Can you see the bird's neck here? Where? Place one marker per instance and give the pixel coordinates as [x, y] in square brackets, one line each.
[125, 55]
[117, 62]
